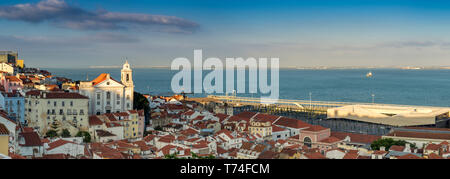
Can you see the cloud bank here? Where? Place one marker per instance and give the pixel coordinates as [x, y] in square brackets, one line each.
[62, 14]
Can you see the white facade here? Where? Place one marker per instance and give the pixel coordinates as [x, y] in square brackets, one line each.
[108, 95]
[7, 68]
[69, 148]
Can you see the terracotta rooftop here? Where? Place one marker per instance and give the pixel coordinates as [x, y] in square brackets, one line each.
[56, 95]
[58, 143]
[315, 128]
[31, 139]
[3, 130]
[314, 155]
[424, 134]
[94, 121]
[291, 123]
[265, 117]
[269, 155]
[103, 133]
[409, 156]
[330, 140]
[356, 138]
[246, 114]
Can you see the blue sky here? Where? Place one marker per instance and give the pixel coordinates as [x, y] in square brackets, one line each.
[78, 33]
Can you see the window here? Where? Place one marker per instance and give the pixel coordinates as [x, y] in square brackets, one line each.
[71, 103]
[62, 103]
[61, 112]
[108, 95]
[307, 141]
[98, 96]
[54, 103]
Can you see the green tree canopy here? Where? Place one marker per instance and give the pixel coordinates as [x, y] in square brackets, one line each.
[140, 102]
[65, 133]
[51, 133]
[86, 136]
[387, 143]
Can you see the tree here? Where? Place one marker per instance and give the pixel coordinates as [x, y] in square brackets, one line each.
[65, 133]
[387, 143]
[171, 156]
[195, 156]
[86, 136]
[51, 133]
[140, 102]
[158, 128]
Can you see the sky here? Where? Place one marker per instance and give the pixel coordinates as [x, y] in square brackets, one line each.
[84, 33]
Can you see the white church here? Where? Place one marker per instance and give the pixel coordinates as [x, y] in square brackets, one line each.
[107, 95]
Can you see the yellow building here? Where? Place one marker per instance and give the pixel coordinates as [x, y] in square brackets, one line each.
[19, 63]
[4, 140]
[261, 127]
[64, 110]
[130, 123]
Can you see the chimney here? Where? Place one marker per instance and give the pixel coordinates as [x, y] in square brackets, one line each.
[382, 148]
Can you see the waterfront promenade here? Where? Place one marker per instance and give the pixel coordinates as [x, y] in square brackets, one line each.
[301, 104]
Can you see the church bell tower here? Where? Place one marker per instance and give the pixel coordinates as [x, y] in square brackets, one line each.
[127, 75]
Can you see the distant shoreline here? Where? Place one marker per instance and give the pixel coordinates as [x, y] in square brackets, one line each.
[282, 68]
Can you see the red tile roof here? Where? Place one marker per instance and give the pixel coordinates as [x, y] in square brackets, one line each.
[102, 77]
[31, 139]
[188, 132]
[351, 155]
[103, 133]
[221, 117]
[95, 121]
[3, 130]
[265, 117]
[277, 129]
[397, 148]
[315, 128]
[330, 140]
[432, 146]
[13, 79]
[246, 114]
[167, 139]
[58, 143]
[434, 156]
[409, 156]
[314, 155]
[424, 133]
[356, 138]
[292, 123]
[56, 95]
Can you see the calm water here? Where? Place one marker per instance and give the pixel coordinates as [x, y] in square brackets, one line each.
[392, 86]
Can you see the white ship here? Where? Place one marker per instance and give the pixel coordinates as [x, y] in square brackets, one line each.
[368, 75]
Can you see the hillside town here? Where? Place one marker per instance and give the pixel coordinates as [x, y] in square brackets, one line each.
[48, 117]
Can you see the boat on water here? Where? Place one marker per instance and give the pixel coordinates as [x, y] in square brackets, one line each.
[368, 75]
